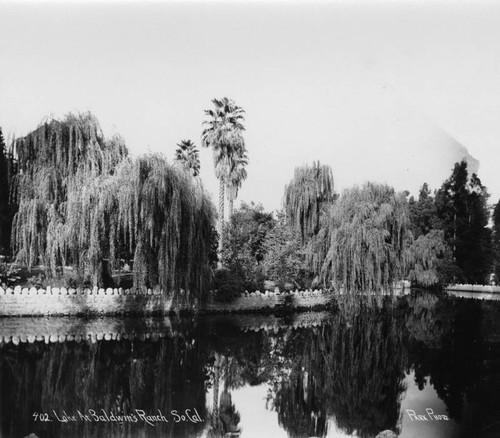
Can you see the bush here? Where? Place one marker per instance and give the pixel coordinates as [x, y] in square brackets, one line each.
[228, 284]
[9, 275]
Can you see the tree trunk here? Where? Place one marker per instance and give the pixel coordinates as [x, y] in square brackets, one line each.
[221, 220]
[231, 208]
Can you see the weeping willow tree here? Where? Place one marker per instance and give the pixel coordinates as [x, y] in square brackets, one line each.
[428, 255]
[369, 236]
[155, 211]
[50, 159]
[307, 201]
[307, 193]
[83, 203]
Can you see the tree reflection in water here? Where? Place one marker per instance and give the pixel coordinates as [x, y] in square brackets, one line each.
[117, 376]
[349, 370]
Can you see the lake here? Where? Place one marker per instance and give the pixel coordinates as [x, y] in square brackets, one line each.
[420, 365]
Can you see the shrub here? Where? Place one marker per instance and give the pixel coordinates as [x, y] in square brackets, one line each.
[228, 284]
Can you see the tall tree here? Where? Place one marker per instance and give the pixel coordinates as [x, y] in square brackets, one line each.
[423, 213]
[370, 234]
[187, 156]
[496, 240]
[462, 207]
[431, 258]
[150, 210]
[305, 197]
[224, 134]
[50, 158]
[5, 219]
[83, 203]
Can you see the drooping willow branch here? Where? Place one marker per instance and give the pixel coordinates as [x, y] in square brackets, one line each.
[50, 158]
[83, 203]
[156, 211]
[369, 237]
[309, 190]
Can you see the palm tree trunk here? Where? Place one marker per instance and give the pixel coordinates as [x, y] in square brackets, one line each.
[222, 187]
[231, 208]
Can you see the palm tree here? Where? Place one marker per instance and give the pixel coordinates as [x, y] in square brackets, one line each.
[237, 173]
[187, 156]
[223, 133]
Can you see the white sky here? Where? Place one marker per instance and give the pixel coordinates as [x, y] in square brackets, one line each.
[383, 91]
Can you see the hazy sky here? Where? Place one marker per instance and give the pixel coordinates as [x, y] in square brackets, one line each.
[386, 91]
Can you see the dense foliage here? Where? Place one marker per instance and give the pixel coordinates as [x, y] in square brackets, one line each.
[243, 248]
[83, 203]
[430, 260]
[158, 214]
[496, 240]
[423, 213]
[53, 157]
[462, 208]
[8, 169]
[285, 261]
[370, 233]
[452, 231]
[371, 237]
[187, 155]
[305, 197]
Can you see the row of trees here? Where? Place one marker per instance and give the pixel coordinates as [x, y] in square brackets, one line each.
[367, 238]
[451, 226]
[81, 201]
[223, 133]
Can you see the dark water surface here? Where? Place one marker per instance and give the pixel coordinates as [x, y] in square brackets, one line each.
[421, 366]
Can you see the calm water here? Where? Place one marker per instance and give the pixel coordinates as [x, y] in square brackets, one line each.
[307, 375]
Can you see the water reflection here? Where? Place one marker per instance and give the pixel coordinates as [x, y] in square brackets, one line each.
[355, 372]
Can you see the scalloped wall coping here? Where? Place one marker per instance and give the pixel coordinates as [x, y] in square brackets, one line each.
[18, 290]
[97, 301]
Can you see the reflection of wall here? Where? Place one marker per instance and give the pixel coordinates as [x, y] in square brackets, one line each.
[110, 328]
[257, 300]
[65, 328]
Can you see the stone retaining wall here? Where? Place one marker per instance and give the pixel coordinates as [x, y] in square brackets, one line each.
[473, 288]
[61, 301]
